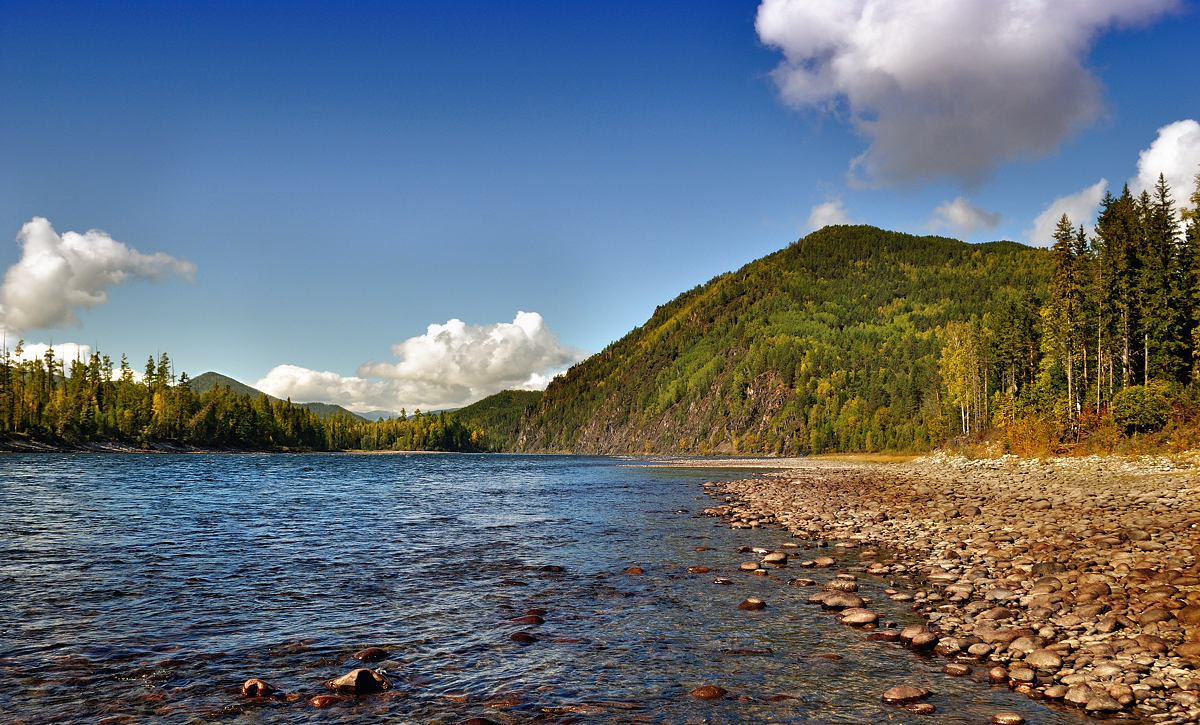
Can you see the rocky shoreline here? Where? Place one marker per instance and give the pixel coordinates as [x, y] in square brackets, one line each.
[1069, 580]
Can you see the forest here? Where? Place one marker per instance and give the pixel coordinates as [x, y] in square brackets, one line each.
[78, 402]
[1108, 356]
[859, 339]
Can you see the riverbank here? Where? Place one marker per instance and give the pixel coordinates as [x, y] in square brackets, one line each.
[1073, 580]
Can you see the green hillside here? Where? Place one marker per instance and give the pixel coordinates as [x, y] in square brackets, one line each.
[499, 415]
[829, 344]
[203, 383]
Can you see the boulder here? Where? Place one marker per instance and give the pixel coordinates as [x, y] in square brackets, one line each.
[257, 688]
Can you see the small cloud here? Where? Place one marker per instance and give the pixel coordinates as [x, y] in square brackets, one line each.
[58, 275]
[829, 213]
[451, 365]
[963, 218]
[946, 89]
[1176, 155]
[1080, 208]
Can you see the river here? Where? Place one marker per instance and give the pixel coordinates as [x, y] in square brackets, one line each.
[147, 588]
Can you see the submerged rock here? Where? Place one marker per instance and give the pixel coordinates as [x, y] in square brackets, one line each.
[708, 692]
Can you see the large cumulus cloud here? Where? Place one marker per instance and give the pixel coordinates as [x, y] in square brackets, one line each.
[946, 88]
[1175, 154]
[58, 275]
[451, 365]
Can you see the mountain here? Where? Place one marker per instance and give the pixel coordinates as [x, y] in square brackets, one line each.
[207, 381]
[499, 415]
[831, 344]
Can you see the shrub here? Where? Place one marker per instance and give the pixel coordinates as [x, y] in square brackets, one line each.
[1140, 409]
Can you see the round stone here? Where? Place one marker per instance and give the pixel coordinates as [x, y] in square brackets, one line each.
[901, 694]
[1043, 659]
[921, 708]
[752, 604]
[956, 669]
[858, 617]
[1007, 718]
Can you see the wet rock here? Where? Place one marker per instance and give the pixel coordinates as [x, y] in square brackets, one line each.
[325, 700]
[904, 694]
[479, 721]
[722, 581]
[857, 617]
[748, 566]
[528, 619]
[775, 558]
[522, 637]
[359, 682]
[921, 708]
[1022, 675]
[371, 654]
[824, 562]
[634, 570]
[841, 585]
[1055, 692]
[752, 604]
[891, 636]
[948, 647]
[1007, 718]
[924, 641]
[708, 692]
[956, 669]
[698, 570]
[801, 582]
[257, 688]
[912, 630]
[841, 600]
[998, 676]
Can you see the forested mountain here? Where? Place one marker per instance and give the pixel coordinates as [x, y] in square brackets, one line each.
[499, 416]
[830, 344]
[207, 381]
[859, 339]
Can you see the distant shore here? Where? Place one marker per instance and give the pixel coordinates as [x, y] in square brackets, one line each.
[1074, 579]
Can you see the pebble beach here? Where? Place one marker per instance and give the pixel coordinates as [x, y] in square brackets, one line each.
[1073, 581]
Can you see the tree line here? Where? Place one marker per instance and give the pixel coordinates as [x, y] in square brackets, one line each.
[94, 400]
[1112, 346]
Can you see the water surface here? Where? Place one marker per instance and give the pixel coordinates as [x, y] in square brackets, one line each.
[147, 588]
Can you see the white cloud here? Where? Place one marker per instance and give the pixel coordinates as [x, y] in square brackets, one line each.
[946, 88]
[64, 352]
[1176, 155]
[58, 275]
[827, 213]
[1080, 208]
[449, 366]
[963, 218]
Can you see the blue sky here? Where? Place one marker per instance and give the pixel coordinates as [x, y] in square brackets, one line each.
[343, 175]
